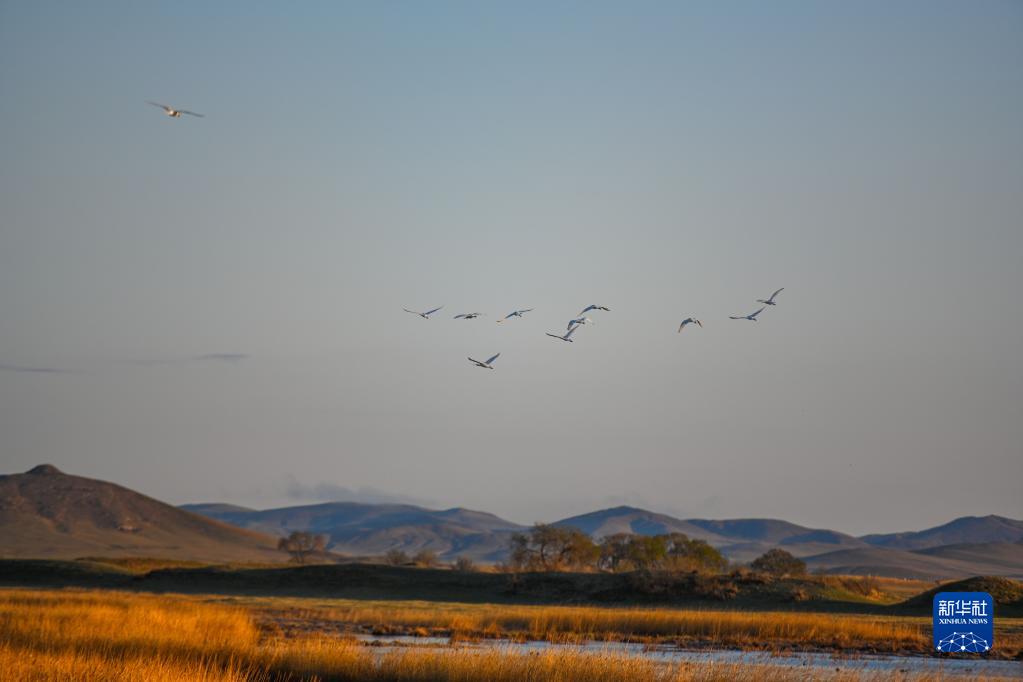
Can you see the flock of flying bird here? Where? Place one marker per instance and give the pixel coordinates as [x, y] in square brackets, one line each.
[573, 324]
[580, 320]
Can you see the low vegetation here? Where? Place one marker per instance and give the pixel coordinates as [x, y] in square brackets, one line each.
[78, 636]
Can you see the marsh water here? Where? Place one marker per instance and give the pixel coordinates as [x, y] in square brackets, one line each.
[878, 663]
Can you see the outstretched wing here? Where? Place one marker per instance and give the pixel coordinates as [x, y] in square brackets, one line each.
[190, 113]
[699, 323]
[757, 313]
[733, 317]
[475, 360]
[570, 332]
[431, 312]
[490, 360]
[553, 336]
[460, 316]
[684, 323]
[776, 293]
[587, 309]
[414, 312]
[157, 104]
[525, 311]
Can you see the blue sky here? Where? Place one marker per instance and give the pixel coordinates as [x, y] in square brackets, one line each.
[664, 159]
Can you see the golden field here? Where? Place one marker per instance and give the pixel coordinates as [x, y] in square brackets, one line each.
[96, 635]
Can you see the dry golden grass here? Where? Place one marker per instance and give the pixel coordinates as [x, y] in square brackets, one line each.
[573, 624]
[78, 636]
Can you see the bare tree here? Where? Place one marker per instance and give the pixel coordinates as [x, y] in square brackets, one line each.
[301, 545]
[396, 557]
[464, 564]
[425, 558]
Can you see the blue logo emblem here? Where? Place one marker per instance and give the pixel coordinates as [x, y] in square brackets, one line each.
[964, 622]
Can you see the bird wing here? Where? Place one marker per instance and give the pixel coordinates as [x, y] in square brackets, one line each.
[431, 312]
[699, 323]
[490, 360]
[553, 336]
[190, 113]
[410, 311]
[757, 313]
[733, 317]
[525, 311]
[570, 332]
[587, 309]
[157, 104]
[475, 360]
[776, 293]
[459, 316]
[684, 323]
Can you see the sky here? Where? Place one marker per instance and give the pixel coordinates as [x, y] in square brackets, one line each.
[210, 309]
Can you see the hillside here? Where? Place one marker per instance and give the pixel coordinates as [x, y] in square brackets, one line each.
[373, 529]
[46, 513]
[740, 540]
[967, 529]
[934, 564]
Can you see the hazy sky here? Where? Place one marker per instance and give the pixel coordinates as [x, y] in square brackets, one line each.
[224, 294]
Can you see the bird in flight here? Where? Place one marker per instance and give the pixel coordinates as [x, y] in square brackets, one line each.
[488, 364]
[752, 317]
[172, 112]
[425, 316]
[770, 301]
[593, 307]
[566, 337]
[515, 313]
[467, 316]
[578, 321]
[691, 320]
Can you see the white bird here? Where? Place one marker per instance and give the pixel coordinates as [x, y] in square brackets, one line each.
[752, 317]
[578, 321]
[566, 337]
[488, 364]
[515, 313]
[425, 316]
[593, 307]
[770, 301]
[689, 320]
[172, 112]
[468, 316]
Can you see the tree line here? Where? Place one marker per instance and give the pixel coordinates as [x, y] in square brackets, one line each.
[546, 547]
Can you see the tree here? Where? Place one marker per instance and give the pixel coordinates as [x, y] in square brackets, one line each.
[425, 558]
[688, 554]
[396, 557]
[464, 564]
[628, 552]
[552, 548]
[778, 562]
[301, 545]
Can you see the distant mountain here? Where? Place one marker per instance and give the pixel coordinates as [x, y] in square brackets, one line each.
[967, 529]
[373, 529]
[638, 521]
[1002, 559]
[738, 539]
[46, 513]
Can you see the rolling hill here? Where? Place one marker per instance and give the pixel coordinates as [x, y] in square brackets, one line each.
[967, 529]
[46, 513]
[373, 529]
[1002, 559]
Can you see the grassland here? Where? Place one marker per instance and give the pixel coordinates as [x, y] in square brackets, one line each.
[102, 635]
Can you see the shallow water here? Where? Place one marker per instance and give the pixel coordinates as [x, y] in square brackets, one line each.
[948, 666]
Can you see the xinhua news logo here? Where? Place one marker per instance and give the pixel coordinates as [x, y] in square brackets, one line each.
[964, 622]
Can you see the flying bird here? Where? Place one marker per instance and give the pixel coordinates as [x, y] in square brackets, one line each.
[515, 313]
[690, 320]
[467, 316]
[566, 337]
[578, 321]
[770, 301]
[752, 317]
[593, 307]
[425, 316]
[172, 112]
[488, 364]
